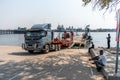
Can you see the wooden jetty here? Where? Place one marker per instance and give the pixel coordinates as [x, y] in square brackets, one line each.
[6, 31]
[79, 41]
[12, 32]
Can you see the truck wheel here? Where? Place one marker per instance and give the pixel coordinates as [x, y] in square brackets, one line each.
[56, 47]
[30, 51]
[47, 49]
[59, 46]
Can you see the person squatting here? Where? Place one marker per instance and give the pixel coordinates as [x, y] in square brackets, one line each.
[100, 60]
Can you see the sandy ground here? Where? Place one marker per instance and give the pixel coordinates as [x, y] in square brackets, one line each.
[67, 64]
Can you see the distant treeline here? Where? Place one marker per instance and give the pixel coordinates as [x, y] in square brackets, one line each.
[103, 30]
[82, 30]
[61, 28]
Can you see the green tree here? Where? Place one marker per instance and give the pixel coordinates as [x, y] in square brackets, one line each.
[58, 27]
[102, 4]
[62, 27]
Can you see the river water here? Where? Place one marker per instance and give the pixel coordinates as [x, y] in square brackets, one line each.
[99, 39]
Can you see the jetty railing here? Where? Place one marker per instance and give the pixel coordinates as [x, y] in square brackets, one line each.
[12, 32]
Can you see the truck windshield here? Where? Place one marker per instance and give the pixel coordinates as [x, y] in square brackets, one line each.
[36, 33]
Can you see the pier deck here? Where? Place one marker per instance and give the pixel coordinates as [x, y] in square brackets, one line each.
[109, 70]
[79, 41]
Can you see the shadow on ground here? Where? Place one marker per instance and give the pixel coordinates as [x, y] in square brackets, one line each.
[26, 53]
[30, 54]
[53, 67]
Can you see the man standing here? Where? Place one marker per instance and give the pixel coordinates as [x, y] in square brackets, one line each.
[108, 41]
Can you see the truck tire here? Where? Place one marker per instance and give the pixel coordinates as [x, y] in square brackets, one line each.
[30, 51]
[56, 47]
[59, 47]
[47, 49]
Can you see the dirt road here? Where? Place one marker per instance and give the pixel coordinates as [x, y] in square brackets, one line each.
[67, 64]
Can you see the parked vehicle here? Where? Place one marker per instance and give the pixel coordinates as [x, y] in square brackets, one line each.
[41, 38]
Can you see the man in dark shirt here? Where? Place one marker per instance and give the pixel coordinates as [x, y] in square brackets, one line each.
[108, 41]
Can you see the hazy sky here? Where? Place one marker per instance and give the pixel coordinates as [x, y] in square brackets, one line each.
[25, 13]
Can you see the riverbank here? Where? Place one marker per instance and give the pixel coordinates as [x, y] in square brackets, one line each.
[66, 64]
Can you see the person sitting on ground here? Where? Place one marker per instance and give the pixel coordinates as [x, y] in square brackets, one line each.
[92, 46]
[100, 60]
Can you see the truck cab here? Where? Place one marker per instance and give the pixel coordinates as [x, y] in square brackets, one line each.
[38, 38]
